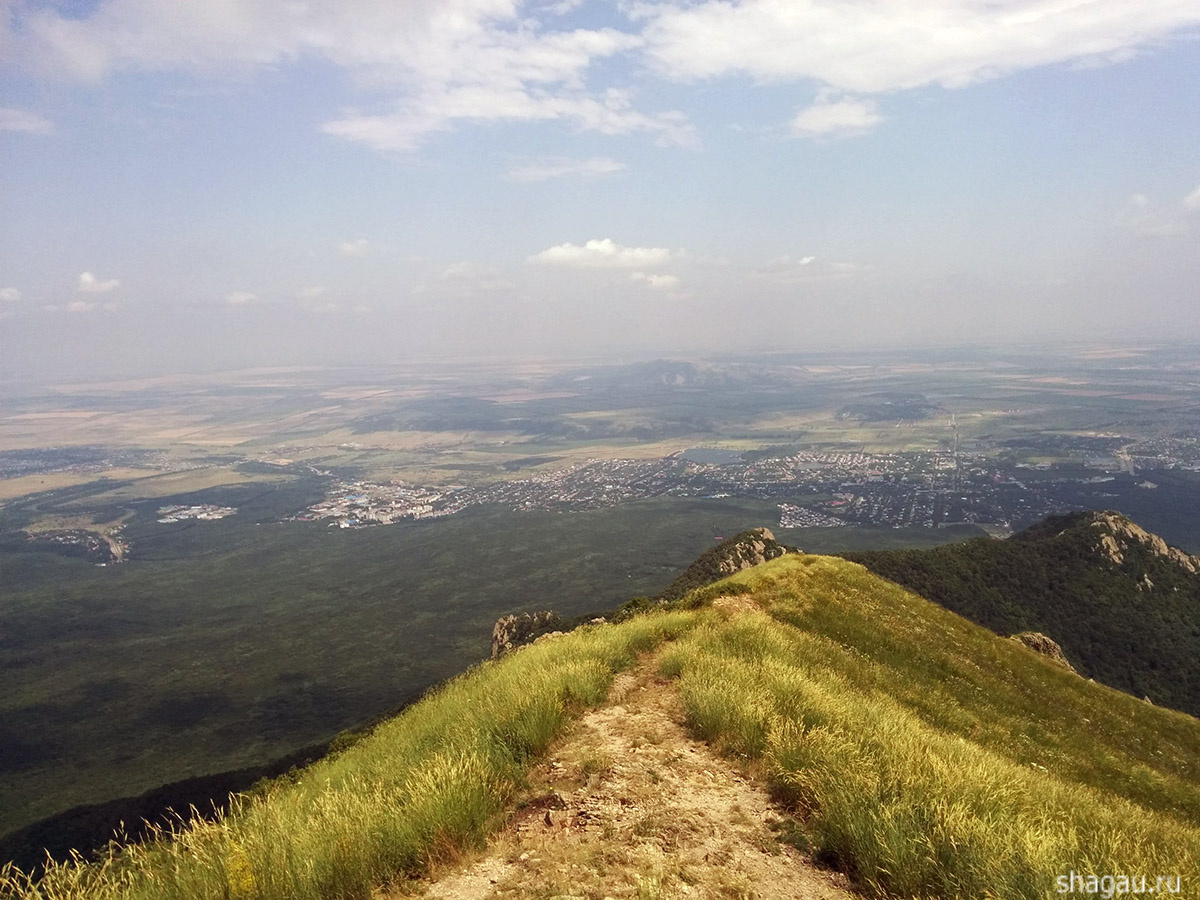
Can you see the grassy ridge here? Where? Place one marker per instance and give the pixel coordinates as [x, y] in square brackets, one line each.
[419, 788]
[920, 753]
[929, 758]
[1133, 625]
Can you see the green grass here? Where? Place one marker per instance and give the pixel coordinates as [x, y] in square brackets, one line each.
[420, 789]
[919, 753]
[927, 757]
[1053, 578]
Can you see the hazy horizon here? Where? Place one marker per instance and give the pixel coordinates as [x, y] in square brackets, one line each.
[195, 187]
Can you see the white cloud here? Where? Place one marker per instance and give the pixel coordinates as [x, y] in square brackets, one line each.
[788, 270]
[602, 253]
[1192, 200]
[438, 108]
[828, 117]
[441, 63]
[84, 306]
[354, 248]
[657, 282]
[9, 295]
[561, 167]
[461, 269]
[478, 60]
[312, 293]
[1143, 217]
[90, 284]
[473, 277]
[876, 47]
[240, 298]
[13, 119]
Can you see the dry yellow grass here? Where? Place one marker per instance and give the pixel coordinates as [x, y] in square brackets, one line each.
[75, 523]
[170, 483]
[12, 488]
[417, 792]
[630, 804]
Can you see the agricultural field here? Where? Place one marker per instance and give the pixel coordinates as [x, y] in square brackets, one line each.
[138, 652]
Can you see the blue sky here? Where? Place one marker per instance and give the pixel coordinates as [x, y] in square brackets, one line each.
[200, 184]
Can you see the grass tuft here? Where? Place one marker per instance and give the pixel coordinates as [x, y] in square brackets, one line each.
[922, 755]
[912, 801]
[416, 792]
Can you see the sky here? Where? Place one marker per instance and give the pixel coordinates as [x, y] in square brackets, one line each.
[204, 184]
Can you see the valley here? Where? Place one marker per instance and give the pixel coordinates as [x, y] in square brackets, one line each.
[215, 572]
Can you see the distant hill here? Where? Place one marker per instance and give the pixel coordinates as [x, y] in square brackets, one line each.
[889, 406]
[1124, 606]
[675, 374]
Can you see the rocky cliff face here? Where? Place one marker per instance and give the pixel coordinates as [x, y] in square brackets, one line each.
[1117, 534]
[513, 631]
[749, 548]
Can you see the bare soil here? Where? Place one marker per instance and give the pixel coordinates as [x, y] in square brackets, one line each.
[629, 805]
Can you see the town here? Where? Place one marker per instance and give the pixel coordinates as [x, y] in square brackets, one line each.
[927, 489]
[359, 504]
[201, 511]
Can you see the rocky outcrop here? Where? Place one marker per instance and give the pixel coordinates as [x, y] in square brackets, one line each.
[510, 632]
[749, 548]
[1046, 646]
[756, 546]
[1117, 534]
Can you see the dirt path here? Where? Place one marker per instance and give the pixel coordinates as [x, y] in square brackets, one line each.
[629, 805]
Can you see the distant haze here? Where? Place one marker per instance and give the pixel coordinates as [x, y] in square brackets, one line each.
[191, 185]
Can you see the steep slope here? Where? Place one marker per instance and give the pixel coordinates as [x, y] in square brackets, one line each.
[927, 757]
[1124, 606]
[917, 753]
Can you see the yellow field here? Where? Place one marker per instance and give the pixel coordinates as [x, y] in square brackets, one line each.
[177, 483]
[11, 488]
[61, 523]
[75, 523]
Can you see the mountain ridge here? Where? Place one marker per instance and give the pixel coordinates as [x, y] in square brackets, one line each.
[1115, 533]
[1122, 603]
[911, 750]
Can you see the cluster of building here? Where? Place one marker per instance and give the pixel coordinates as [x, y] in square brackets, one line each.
[1165, 453]
[791, 516]
[812, 487]
[904, 489]
[104, 546]
[203, 511]
[359, 504]
[83, 460]
[595, 483]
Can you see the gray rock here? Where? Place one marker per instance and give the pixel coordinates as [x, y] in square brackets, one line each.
[510, 632]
